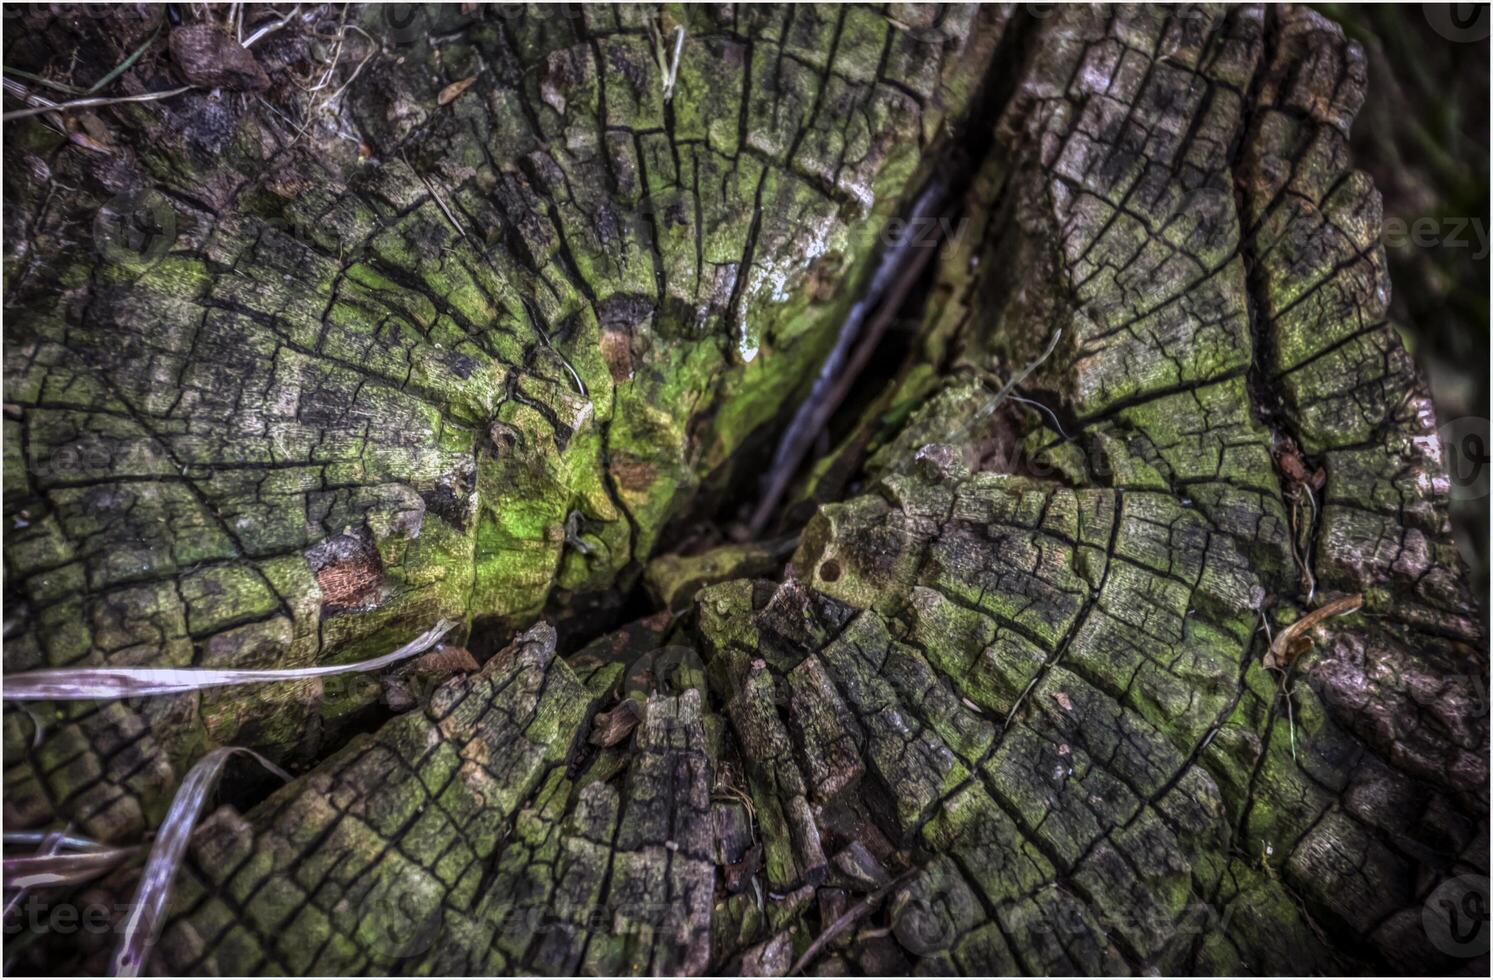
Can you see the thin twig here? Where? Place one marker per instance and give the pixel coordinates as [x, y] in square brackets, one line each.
[668, 68]
[1011, 715]
[50, 106]
[849, 918]
[16, 90]
[430, 188]
[271, 27]
[1306, 561]
[326, 76]
[1290, 716]
[544, 338]
[373, 50]
[897, 271]
[735, 793]
[1283, 690]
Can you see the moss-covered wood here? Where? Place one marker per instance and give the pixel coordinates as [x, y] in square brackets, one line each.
[412, 360]
[1003, 710]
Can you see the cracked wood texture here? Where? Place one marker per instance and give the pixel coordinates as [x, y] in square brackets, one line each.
[446, 361]
[1005, 709]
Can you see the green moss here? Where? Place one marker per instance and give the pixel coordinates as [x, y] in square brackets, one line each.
[218, 597]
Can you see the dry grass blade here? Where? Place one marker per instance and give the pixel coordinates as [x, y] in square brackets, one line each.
[69, 841]
[50, 83]
[668, 64]
[51, 843]
[1292, 641]
[75, 868]
[124, 65]
[110, 683]
[143, 927]
[989, 407]
[671, 73]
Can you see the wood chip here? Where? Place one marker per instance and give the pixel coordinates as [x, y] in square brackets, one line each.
[1293, 641]
[453, 91]
[613, 726]
[445, 660]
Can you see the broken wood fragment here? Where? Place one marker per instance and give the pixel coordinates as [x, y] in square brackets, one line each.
[1290, 643]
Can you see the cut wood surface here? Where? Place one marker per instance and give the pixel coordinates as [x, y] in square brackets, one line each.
[477, 316]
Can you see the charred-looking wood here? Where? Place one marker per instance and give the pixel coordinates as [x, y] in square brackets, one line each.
[1127, 634]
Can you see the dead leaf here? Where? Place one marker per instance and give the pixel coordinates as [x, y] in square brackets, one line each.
[1294, 467]
[1293, 641]
[88, 142]
[738, 875]
[88, 131]
[94, 126]
[453, 91]
[1063, 701]
[210, 57]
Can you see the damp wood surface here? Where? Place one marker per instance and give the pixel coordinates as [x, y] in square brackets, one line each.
[1116, 628]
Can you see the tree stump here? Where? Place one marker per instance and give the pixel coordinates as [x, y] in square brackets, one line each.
[468, 318]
